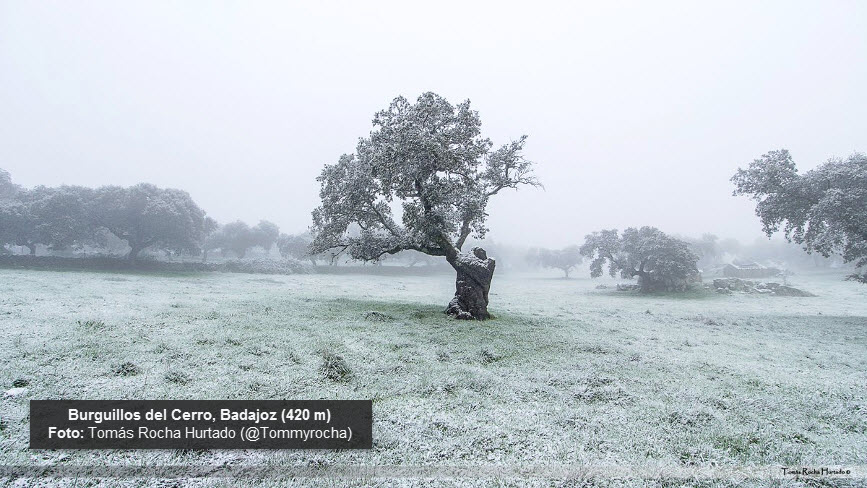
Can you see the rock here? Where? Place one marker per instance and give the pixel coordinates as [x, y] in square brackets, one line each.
[728, 285]
[788, 291]
[735, 284]
[626, 287]
[15, 392]
[602, 287]
[768, 286]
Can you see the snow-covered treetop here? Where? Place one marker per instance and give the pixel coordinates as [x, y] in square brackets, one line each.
[822, 209]
[430, 158]
[659, 260]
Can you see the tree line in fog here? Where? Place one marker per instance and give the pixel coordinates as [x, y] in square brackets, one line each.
[139, 217]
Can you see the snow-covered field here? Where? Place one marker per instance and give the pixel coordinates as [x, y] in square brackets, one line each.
[566, 374]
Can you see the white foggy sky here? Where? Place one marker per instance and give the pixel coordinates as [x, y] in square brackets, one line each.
[638, 113]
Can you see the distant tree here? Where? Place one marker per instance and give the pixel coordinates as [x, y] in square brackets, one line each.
[54, 217]
[60, 215]
[413, 258]
[209, 242]
[781, 253]
[17, 225]
[296, 246]
[707, 249]
[565, 259]
[428, 157]
[107, 242]
[145, 215]
[236, 237]
[660, 262]
[265, 234]
[8, 190]
[14, 217]
[824, 210]
[531, 257]
[729, 246]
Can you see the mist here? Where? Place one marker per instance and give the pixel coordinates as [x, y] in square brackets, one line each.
[637, 114]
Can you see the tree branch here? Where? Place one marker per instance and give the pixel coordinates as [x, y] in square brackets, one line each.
[465, 232]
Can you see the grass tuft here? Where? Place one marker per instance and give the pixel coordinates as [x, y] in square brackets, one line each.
[334, 367]
[374, 316]
[127, 369]
[178, 377]
[91, 324]
[488, 357]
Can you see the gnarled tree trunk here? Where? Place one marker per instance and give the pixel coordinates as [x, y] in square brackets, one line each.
[135, 249]
[475, 271]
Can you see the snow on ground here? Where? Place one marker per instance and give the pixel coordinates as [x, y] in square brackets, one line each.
[565, 374]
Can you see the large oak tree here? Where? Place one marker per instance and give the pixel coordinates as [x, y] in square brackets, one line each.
[824, 209]
[421, 181]
[145, 215]
[54, 217]
[659, 262]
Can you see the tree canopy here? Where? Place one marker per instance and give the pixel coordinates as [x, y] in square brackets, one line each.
[145, 215]
[55, 217]
[296, 246]
[420, 181]
[565, 259]
[265, 234]
[8, 190]
[824, 209]
[239, 237]
[430, 159]
[660, 262]
[59, 216]
[707, 248]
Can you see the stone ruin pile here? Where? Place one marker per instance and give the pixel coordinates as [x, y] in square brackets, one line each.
[731, 285]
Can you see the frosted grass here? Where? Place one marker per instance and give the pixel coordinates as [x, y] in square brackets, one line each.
[565, 374]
